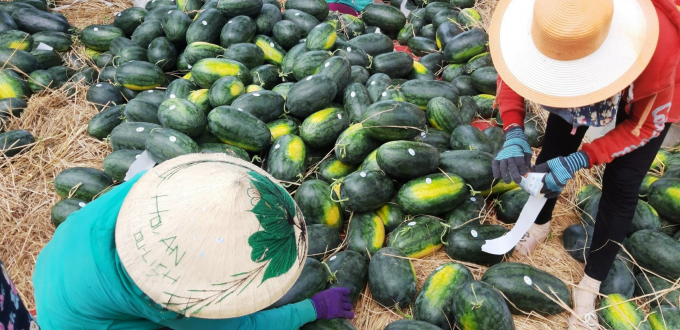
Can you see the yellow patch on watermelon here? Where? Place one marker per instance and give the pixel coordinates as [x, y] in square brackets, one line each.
[320, 115]
[438, 188]
[419, 68]
[221, 68]
[439, 282]
[20, 45]
[236, 88]
[428, 250]
[296, 150]
[379, 238]
[620, 310]
[253, 88]
[139, 88]
[339, 168]
[330, 42]
[187, 76]
[198, 96]
[279, 130]
[333, 216]
[383, 213]
[270, 53]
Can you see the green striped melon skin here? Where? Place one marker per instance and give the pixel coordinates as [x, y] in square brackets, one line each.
[443, 16]
[207, 71]
[183, 116]
[131, 53]
[117, 163]
[146, 32]
[366, 190]
[310, 95]
[645, 217]
[249, 54]
[663, 318]
[484, 104]
[333, 324]
[384, 120]
[419, 237]
[179, 89]
[229, 150]
[13, 87]
[392, 95]
[273, 52]
[519, 282]
[21, 60]
[166, 143]
[477, 306]
[467, 137]
[231, 8]
[664, 196]
[411, 325]
[311, 281]
[351, 271]
[303, 20]
[101, 125]
[663, 258]
[282, 127]
[406, 33]
[321, 37]
[354, 144]
[175, 25]
[237, 30]
[646, 183]
[484, 80]
[433, 303]
[332, 169]
[264, 105]
[617, 313]
[391, 215]
[289, 61]
[200, 98]
[268, 17]
[465, 244]
[156, 96]
[407, 159]
[432, 194]
[64, 208]
[309, 63]
[647, 284]
[59, 41]
[287, 34]
[16, 39]
[206, 26]
[129, 19]
[480, 61]
[466, 45]
[90, 182]
[339, 69]
[387, 18]
[119, 43]
[13, 142]
[356, 100]
[313, 198]
[420, 92]
[140, 76]
[139, 110]
[162, 53]
[47, 59]
[619, 280]
[393, 64]
[239, 128]
[322, 128]
[391, 278]
[446, 32]
[373, 44]
[420, 72]
[452, 71]
[421, 46]
[131, 135]
[6, 21]
[323, 241]
[225, 90]
[469, 17]
[99, 37]
[199, 50]
[359, 74]
[472, 165]
[377, 84]
[443, 114]
[287, 158]
[104, 95]
[510, 205]
[467, 213]
[283, 89]
[316, 8]
[265, 76]
[365, 234]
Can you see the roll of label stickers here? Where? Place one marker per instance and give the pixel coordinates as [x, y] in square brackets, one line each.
[502, 245]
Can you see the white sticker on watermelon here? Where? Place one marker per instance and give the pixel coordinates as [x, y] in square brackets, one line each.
[349, 49]
[473, 233]
[140, 129]
[173, 139]
[256, 94]
[339, 116]
[353, 94]
[362, 174]
[172, 96]
[204, 23]
[412, 223]
[411, 152]
[99, 85]
[428, 180]
[384, 94]
[528, 280]
[96, 29]
[332, 258]
[188, 66]
[271, 44]
[172, 107]
[81, 204]
[473, 199]
[277, 146]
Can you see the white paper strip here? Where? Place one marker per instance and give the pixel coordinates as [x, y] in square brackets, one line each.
[43, 46]
[502, 245]
[533, 183]
[403, 8]
[143, 163]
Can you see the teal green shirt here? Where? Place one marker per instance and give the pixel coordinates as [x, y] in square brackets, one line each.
[80, 282]
[358, 5]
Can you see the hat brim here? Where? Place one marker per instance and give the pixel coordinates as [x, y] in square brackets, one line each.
[622, 57]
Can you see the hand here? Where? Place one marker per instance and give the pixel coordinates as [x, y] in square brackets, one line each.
[514, 159]
[333, 303]
[560, 170]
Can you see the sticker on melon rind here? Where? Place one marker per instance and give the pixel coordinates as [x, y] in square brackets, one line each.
[339, 116]
[173, 139]
[428, 180]
[353, 94]
[411, 152]
[528, 280]
[332, 258]
[473, 233]
[362, 174]
[81, 204]
[412, 223]
[140, 129]
[473, 199]
[277, 146]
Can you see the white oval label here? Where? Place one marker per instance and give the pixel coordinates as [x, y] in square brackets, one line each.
[277, 146]
[411, 152]
[137, 157]
[204, 23]
[271, 44]
[473, 233]
[527, 280]
[339, 116]
[173, 139]
[423, 134]
[349, 49]
[428, 180]
[473, 199]
[309, 78]
[412, 223]
[172, 107]
[172, 96]
[150, 92]
[96, 29]
[297, 14]
[256, 94]
[239, 109]
[384, 94]
[372, 82]
[81, 204]
[169, 11]
[327, 64]
[189, 66]
[140, 129]
[332, 258]
[353, 94]
[99, 85]
[363, 174]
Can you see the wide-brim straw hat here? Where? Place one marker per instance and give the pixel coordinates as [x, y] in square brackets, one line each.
[211, 236]
[571, 53]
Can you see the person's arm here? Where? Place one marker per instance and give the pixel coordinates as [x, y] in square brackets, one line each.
[652, 112]
[511, 106]
[289, 317]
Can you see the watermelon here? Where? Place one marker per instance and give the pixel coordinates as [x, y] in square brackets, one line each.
[16, 39]
[139, 110]
[322, 128]
[166, 143]
[311, 281]
[662, 258]
[225, 90]
[477, 306]
[266, 76]
[287, 158]
[354, 144]
[104, 95]
[616, 312]
[332, 169]
[282, 127]
[323, 241]
[526, 287]
[183, 116]
[239, 29]
[419, 237]
[309, 63]
[214, 147]
[232, 8]
[321, 37]
[466, 213]
[117, 163]
[365, 234]
[40, 80]
[391, 215]
[99, 37]
[421, 46]
[510, 205]
[366, 190]
[310, 95]
[14, 142]
[647, 284]
[239, 128]
[465, 46]
[101, 125]
[420, 92]
[265, 105]
[467, 137]
[391, 278]
[268, 17]
[473, 166]
[155, 96]
[131, 135]
[393, 120]
[619, 280]
[465, 244]
[313, 198]
[446, 32]
[63, 209]
[207, 71]
[407, 159]
[356, 100]
[273, 53]
[339, 69]
[646, 183]
[577, 239]
[663, 318]
[81, 183]
[287, 34]
[645, 218]
[432, 304]
[359, 75]
[175, 25]
[662, 196]
[303, 20]
[249, 54]
[350, 271]
[432, 194]
[373, 44]
[590, 209]
[377, 84]
[205, 27]
[351, 26]
[139, 76]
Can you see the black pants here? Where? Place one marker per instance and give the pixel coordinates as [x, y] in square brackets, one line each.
[620, 185]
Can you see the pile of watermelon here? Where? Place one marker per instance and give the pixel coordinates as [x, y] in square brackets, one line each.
[380, 146]
[33, 52]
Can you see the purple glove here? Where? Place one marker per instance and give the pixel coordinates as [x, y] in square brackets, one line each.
[333, 303]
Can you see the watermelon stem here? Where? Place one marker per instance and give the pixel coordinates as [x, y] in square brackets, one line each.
[331, 275]
[477, 304]
[473, 192]
[401, 313]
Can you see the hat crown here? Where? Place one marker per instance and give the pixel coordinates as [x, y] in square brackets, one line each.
[571, 29]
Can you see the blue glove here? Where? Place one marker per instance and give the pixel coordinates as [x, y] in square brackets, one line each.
[514, 159]
[560, 170]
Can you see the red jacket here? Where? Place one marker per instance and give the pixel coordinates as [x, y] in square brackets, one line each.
[660, 82]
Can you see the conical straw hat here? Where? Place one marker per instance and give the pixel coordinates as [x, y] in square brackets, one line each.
[211, 236]
[571, 53]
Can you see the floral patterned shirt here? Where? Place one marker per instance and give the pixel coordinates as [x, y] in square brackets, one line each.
[13, 313]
